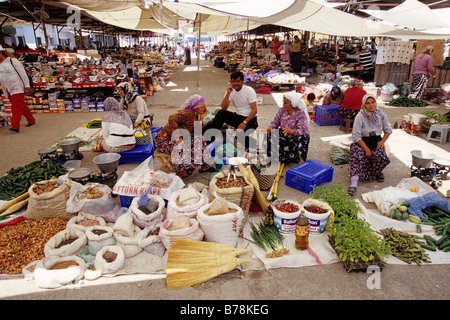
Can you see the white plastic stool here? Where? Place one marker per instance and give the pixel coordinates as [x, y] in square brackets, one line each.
[443, 129]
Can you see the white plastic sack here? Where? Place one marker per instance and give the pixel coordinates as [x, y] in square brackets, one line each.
[151, 243]
[222, 228]
[51, 279]
[82, 216]
[136, 182]
[104, 206]
[194, 232]
[106, 267]
[125, 233]
[99, 241]
[152, 220]
[174, 210]
[53, 249]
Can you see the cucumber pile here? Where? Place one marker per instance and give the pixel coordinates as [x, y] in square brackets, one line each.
[439, 218]
[18, 180]
[399, 211]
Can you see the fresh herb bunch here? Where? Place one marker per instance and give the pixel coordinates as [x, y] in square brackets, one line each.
[337, 197]
[357, 243]
[403, 101]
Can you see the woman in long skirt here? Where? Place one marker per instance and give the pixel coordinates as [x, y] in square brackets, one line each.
[422, 68]
[368, 155]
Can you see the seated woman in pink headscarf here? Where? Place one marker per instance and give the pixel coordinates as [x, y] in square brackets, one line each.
[194, 109]
[117, 129]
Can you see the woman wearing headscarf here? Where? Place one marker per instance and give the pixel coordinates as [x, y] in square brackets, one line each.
[117, 128]
[422, 67]
[334, 97]
[368, 155]
[133, 104]
[194, 109]
[351, 103]
[292, 120]
[15, 83]
[286, 51]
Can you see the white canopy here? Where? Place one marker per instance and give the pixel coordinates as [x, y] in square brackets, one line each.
[227, 17]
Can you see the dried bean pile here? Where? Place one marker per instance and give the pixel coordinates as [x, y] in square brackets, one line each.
[238, 182]
[24, 242]
[315, 209]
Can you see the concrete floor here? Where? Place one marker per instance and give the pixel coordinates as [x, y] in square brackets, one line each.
[327, 282]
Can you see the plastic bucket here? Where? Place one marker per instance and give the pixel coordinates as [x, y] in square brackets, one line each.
[317, 221]
[285, 221]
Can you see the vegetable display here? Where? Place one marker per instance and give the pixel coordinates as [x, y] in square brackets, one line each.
[268, 238]
[18, 180]
[337, 197]
[439, 218]
[357, 244]
[403, 101]
[405, 246]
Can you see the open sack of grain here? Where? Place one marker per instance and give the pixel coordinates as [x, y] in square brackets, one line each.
[55, 272]
[221, 221]
[238, 191]
[48, 200]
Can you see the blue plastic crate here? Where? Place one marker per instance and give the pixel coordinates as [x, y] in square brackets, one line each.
[327, 115]
[138, 154]
[308, 174]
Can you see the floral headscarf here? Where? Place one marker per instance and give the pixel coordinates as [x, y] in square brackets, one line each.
[114, 114]
[193, 102]
[130, 95]
[371, 116]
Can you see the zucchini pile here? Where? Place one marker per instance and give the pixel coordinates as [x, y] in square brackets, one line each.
[18, 180]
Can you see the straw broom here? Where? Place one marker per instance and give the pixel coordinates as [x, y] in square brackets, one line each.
[191, 262]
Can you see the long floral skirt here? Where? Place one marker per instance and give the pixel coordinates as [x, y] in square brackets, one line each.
[418, 85]
[291, 148]
[183, 156]
[367, 168]
[348, 113]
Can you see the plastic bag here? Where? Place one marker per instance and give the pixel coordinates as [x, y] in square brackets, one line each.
[103, 206]
[88, 255]
[224, 228]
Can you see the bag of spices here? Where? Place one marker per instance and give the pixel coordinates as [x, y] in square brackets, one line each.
[219, 225]
[109, 259]
[186, 202]
[65, 243]
[125, 233]
[48, 200]
[149, 216]
[180, 227]
[83, 221]
[100, 236]
[149, 240]
[55, 272]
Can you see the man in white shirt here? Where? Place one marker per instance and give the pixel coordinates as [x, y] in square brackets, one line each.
[245, 103]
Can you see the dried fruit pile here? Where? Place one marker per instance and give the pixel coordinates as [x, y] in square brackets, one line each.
[24, 242]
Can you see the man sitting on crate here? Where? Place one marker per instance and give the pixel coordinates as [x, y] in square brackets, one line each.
[245, 103]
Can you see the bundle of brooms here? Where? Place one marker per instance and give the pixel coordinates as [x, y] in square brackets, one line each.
[191, 262]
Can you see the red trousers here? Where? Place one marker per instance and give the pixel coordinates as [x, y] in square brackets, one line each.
[19, 108]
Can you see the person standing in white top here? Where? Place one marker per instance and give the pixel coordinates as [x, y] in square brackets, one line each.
[117, 128]
[15, 83]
